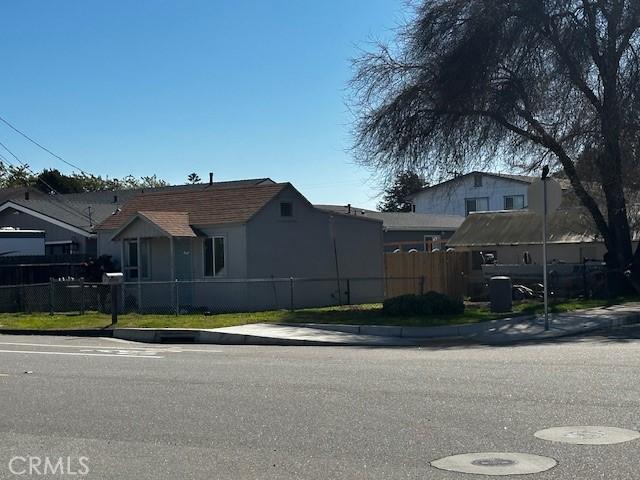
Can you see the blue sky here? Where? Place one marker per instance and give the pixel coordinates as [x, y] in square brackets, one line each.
[242, 88]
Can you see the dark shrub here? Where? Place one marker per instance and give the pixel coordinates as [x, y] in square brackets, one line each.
[431, 303]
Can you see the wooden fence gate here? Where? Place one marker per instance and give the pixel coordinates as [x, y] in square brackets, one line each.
[420, 272]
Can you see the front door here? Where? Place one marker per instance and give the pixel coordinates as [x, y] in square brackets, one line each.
[184, 270]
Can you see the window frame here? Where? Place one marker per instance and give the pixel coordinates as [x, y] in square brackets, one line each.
[475, 199]
[513, 197]
[127, 268]
[225, 256]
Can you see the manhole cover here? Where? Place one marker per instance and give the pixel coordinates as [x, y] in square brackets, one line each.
[495, 463]
[588, 435]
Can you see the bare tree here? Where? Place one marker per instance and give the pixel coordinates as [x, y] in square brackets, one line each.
[517, 82]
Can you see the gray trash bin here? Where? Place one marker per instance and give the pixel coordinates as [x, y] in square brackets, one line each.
[500, 294]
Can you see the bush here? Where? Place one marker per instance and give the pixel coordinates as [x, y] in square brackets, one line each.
[431, 303]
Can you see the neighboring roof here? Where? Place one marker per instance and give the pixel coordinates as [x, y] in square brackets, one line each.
[65, 215]
[210, 206]
[418, 221]
[523, 179]
[523, 227]
[345, 209]
[400, 221]
[107, 196]
[84, 211]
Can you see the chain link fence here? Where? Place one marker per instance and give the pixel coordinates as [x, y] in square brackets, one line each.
[205, 296]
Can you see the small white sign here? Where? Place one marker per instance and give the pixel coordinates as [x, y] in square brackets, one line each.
[535, 194]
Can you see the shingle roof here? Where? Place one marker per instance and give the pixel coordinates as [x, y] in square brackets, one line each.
[204, 207]
[107, 196]
[401, 221]
[88, 209]
[519, 227]
[71, 213]
[174, 224]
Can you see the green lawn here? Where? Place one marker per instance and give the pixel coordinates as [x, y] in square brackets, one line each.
[355, 315]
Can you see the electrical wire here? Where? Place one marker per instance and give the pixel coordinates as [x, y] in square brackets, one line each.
[15, 129]
[61, 204]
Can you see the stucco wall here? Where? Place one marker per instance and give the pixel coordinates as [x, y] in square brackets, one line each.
[302, 247]
[235, 250]
[449, 199]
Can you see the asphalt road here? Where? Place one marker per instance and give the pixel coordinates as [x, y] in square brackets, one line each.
[139, 411]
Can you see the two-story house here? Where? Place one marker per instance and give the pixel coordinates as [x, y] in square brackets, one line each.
[474, 192]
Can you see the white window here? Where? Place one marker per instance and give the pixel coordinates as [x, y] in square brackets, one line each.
[215, 264]
[514, 202]
[136, 261]
[477, 204]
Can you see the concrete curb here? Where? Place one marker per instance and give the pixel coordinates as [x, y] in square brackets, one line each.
[108, 333]
[205, 337]
[443, 331]
[371, 335]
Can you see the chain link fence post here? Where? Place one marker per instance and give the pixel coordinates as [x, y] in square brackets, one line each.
[82, 300]
[51, 296]
[177, 294]
[291, 308]
[348, 292]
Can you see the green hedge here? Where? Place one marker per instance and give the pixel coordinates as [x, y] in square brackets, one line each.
[431, 303]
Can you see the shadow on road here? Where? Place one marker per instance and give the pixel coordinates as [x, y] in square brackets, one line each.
[622, 335]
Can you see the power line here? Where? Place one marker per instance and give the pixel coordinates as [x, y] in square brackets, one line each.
[43, 147]
[67, 208]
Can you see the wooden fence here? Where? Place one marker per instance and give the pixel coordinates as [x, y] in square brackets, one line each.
[420, 272]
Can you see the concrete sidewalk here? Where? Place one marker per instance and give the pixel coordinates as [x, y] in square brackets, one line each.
[498, 332]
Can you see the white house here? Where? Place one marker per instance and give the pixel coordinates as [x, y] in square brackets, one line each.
[473, 192]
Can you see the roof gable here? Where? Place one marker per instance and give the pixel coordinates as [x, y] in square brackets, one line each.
[519, 179]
